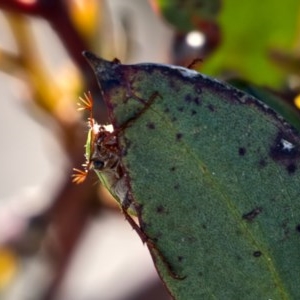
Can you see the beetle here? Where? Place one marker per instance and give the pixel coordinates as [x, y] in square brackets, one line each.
[102, 155]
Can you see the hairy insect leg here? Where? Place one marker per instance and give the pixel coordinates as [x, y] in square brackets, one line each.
[197, 62]
[147, 103]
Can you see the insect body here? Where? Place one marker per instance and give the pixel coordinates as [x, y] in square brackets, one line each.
[102, 155]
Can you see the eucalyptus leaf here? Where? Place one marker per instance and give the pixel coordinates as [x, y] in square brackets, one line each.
[214, 176]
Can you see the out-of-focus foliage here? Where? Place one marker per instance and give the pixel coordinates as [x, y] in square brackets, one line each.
[250, 30]
[187, 15]
[85, 16]
[257, 37]
[8, 266]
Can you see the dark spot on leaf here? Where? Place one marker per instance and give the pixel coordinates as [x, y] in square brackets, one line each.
[193, 112]
[262, 163]
[180, 108]
[211, 107]
[252, 214]
[238, 257]
[284, 148]
[285, 151]
[178, 136]
[291, 168]
[200, 274]
[155, 240]
[188, 98]
[172, 169]
[160, 209]
[204, 226]
[242, 151]
[180, 258]
[257, 253]
[174, 119]
[150, 125]
[167, 110]
[298, 227]
[176, 186]
[197, 101]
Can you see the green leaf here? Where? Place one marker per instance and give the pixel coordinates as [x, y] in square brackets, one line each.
[278, 103]
[250, 30]
[214, 175]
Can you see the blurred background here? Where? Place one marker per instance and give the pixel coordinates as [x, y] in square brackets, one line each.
[59, 240]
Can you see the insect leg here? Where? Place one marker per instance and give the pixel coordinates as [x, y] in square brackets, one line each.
[147, 104]
[147, 240]
[134, 225]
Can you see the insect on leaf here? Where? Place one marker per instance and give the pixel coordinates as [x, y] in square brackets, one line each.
[214, 176]
[102, 155]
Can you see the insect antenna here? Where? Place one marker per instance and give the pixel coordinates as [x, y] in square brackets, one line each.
[84, 103]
